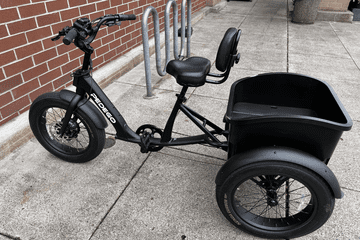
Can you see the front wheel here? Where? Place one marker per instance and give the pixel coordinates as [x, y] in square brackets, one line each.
[275, 200]
[82, 140]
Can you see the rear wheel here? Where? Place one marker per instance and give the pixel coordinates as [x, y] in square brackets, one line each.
[82, 140]
[275, 200]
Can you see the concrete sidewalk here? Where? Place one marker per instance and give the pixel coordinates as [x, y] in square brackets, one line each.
[124, 194]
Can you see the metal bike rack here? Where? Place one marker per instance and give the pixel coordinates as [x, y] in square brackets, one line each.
[145, 37]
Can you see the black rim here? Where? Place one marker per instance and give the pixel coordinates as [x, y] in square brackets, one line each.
[76, 139]
[273, 202]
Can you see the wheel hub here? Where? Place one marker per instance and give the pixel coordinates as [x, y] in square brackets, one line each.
[71, 131]
[272, 197]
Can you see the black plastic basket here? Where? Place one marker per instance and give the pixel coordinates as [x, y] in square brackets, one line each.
[284, 109]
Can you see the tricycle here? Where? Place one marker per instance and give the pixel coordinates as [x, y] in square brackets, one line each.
[280, 131]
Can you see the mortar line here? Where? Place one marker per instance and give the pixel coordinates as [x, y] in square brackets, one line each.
[344, 46]
[117, 199]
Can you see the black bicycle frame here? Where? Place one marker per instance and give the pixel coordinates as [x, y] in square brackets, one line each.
[84, 83]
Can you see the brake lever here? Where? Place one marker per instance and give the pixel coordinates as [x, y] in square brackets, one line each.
[63, 32]
[112, 23]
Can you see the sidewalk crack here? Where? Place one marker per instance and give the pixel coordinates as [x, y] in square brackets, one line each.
[344, 46]
[117, 199]
[9, 236]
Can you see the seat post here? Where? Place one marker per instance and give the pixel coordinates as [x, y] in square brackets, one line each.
[170, 123]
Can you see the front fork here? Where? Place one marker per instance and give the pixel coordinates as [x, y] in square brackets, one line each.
[70, 110]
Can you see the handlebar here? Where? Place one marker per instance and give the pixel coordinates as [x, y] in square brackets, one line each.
[85, 31]
[123, 17]
[70, 36]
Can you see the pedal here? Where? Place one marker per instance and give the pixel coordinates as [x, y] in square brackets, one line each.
[109, 142]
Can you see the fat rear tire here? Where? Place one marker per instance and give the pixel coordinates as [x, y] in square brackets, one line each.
[248, 200]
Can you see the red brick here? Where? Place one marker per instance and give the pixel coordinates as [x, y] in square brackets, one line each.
[56, 5]
[48, 77]
[3, 31]
[7, 57]
[28, 50]
[107, 39]
[44, 56]
[58, 61]
[119, 34]
[5, 98]
[74, 3]
[34, 72]
[97, 61]
[48, 19]
[102, 5]
[22, 26]
[95, 15]
[111, 11]
[125, 38]
[133, 5]
[75, 54]
[115, 44]
[87, 9]
[116, 2]
[61, 81]
[32, 10]
[44, 89]
[47, 43]
[110, 55]
[102, 50]
[39, 34]
[8, 15]
[25, 109]
[69, 67]
[11, 42]
[13, 3]
[1, 74]
[70, 13]
[123, 8]
[62, 48]
[25, 88]
[19, 66]
[10, 83]
[15, 106]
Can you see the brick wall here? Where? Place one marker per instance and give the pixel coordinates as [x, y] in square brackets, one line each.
[31, 64]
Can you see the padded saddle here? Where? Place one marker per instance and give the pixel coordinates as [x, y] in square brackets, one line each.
[193, 71]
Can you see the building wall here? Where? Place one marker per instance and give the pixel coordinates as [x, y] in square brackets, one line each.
[31, 64]
[334, 5]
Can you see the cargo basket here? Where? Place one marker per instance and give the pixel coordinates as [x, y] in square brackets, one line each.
[283, 109]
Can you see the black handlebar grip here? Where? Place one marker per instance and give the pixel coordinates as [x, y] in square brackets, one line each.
[123, 17]
[70, 36]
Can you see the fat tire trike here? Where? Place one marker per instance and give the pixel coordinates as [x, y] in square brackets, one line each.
[280, 129]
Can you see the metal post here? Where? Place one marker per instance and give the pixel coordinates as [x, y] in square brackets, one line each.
[145, 37]
[183, 13]
[167, 29]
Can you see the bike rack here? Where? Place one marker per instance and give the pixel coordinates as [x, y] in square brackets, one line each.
[145, 37]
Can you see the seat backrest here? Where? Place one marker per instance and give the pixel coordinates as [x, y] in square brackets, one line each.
[228, 47]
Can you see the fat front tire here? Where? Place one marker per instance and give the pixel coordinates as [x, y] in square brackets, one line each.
[275, 200]
[82, 140]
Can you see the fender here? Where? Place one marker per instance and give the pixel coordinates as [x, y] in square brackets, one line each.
[88, 108]
[282, 154]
